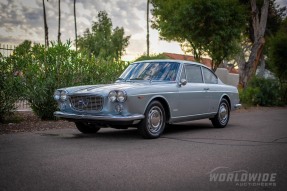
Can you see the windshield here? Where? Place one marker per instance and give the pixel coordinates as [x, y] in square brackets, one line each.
[159, 71]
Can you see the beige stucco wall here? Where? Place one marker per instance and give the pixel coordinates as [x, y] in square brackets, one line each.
[226, 77]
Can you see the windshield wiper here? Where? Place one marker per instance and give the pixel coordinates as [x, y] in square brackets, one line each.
[136, 79]
[120, 78]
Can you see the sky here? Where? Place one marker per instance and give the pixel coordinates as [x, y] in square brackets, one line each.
[23, 20]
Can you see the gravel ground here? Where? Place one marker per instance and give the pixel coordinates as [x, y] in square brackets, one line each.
[28, 122]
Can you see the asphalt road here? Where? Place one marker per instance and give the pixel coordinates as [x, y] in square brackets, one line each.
[191, 156]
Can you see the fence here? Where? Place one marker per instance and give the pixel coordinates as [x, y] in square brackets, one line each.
[7, 50]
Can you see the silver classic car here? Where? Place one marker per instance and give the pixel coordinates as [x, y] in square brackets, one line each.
[150, 95]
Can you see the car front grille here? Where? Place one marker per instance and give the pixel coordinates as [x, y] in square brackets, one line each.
[87, 102]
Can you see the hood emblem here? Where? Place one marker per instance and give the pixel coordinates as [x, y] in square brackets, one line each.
[83, 102]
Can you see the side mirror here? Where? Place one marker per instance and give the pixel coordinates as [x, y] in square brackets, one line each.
[182, 82]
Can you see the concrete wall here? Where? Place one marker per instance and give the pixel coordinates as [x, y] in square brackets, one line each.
[226, 77]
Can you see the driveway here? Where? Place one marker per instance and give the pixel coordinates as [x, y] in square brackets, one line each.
[249, 154]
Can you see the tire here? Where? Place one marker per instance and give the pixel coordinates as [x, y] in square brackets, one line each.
[87, 128]
[221, 119]
[152, 126]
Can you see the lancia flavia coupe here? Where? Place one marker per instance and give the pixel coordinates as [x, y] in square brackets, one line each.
[149, 95]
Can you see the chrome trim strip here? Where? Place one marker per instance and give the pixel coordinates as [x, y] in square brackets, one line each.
[99, 117]
[194, 115]
[176, 92]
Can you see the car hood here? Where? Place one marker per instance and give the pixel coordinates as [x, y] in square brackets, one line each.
[130, 87]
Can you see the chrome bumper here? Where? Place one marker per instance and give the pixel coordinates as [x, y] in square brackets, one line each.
[237, 106]
[98, 117]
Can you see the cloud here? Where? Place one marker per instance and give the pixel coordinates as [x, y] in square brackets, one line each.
[282, 3]
[23, 19]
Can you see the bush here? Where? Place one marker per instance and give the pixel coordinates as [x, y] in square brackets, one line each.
[58, 66]
[277, 57]
[263, 92]
[11, 87]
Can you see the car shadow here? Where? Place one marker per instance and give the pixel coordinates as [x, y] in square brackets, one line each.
[187, 127]
[109, 133]
[132, 134]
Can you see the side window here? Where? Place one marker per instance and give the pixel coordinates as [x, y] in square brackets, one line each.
[193, 74]
[209, 76]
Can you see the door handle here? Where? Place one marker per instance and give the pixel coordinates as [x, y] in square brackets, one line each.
[205, 89]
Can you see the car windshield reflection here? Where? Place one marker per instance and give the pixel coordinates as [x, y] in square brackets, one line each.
[152, 71]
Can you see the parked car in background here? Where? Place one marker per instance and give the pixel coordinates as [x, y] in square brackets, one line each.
[149, 95]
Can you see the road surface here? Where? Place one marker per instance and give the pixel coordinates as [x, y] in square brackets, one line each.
[249, 154]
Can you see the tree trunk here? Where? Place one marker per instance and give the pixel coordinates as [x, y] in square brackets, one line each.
[248, 69]
[147, 23]
[75, 21]
[59, 26]
[45, 25]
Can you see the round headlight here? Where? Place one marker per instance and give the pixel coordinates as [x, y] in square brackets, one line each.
[121, 96]
[63, 95]
[113, 96]
[57, 95]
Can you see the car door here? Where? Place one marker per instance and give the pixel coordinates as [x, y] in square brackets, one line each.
[192, 95]
[211, 87]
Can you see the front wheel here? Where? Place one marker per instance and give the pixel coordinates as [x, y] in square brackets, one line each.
[152, 126]
[221, 119]
[87, 128]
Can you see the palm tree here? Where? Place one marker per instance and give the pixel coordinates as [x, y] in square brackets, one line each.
[45, 25]
[59, 26]
[147, 23]
[75, 20]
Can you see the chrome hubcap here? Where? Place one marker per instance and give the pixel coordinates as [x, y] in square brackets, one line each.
[223, 113]
[155, 119]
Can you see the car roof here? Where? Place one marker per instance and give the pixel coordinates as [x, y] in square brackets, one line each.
[170, 60]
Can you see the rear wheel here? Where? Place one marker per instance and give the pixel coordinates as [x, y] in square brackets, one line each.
[222, 117]
[152, 126]
[87, 128]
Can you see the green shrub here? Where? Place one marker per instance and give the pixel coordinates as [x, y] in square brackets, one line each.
[263, 92]
[58, 66]
[11, 87]
[34, 72]
[277, 54]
